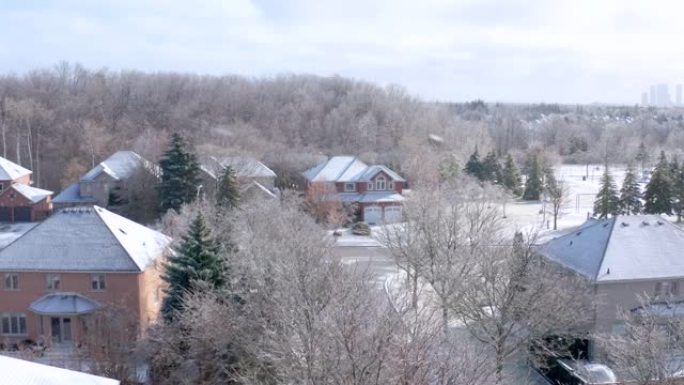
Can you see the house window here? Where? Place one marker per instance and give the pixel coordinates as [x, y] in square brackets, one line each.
[349, 187]
[97, 282]
[370, 185]
[11, 281]
[391, 185]
[380, 183]
[667, 289]
[53, 282]
[13, 324]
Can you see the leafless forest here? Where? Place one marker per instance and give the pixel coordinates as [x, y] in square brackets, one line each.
[60, 121]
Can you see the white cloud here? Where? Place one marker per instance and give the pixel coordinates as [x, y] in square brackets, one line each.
[520, 50]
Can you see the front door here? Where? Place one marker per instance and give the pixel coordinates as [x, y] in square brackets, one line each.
[60, 329]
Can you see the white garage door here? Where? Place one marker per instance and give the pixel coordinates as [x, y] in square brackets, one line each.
[392, 214]
[372, 215]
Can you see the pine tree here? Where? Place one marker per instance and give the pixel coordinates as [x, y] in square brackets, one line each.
[511, 177]
[228, 193]
[474, 165]
[491, 169]
[179, 175]
[630, 194]
[197, 264]
[658, 194]
[533, 185]
[678, 192]
[607, 201]
[642, 156]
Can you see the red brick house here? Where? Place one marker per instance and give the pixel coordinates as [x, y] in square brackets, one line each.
[376, 189]
[19, 201]
[76, 263]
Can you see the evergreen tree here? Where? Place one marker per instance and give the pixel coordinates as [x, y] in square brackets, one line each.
[474, 165]
[630, 194]
[678, 192]
[228, 193]
[642, 156]
[607, 201]
[533, 185]
[491, 169]
[658, 194]
[511, 177]
[197, 264]
[179, 175]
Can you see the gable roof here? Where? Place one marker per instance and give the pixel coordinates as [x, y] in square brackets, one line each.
[84, 239]
[72, 194]
[10, 170]
[23, 372]
[120, 165]
[347, 169]
[33, 194]
[622, 248]
[246, 167]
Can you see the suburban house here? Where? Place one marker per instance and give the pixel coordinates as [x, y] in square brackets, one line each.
[96, 186]
[623, 258]
[19, 201]
[376, 189]
[17, 371]
[78, 262]
[254, 177]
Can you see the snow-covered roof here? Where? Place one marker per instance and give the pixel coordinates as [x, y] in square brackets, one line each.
[21, 372]
[622, 248]
[33, 194]
[260, 188]
[84, 239]
[10, 170]
[384, 196]
[72, 194]
[64, 304]
[120, 165]
[246, 167]
[346, 169]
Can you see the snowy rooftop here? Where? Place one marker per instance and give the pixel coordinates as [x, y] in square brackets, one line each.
[21, 372]
[33, 194]
[246, 167]
[10, 170]
[84, 239]
[347, 169]
[64, 304]
[120, 165]
[621, 248]
[72, 194]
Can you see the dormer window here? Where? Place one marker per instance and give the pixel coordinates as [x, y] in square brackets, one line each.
[350, 187]
[391, 185]
[381, 183]
[370, 185]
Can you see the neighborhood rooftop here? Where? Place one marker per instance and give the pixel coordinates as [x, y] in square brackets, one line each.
[120, 165]
[621, 248]
[347, 169]
[33, 194]
[10, 170]
[21, 372]
[84, 239]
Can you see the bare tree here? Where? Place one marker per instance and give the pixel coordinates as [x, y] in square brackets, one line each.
[558, 196]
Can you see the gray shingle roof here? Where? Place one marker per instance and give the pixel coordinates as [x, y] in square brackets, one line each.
[621, 248]
[10, 170]
[120, 165]
[64, 304]
[84, 239]
[347, 169]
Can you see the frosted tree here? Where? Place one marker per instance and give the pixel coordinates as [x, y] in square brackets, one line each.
[607, 201]
[630, 194]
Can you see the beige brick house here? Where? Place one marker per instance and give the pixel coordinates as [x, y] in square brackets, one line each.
[74, 264]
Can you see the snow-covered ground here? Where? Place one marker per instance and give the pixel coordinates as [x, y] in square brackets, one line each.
[11, 231]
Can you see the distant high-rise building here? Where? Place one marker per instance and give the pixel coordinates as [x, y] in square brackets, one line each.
[644, 98]
[679, 94]
[663, 96]
[653, 100]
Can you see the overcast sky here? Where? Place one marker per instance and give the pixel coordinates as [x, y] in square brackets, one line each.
[578, 51]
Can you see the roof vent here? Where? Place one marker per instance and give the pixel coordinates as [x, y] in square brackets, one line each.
[605, 224]
[660, 223]
[122, 231]
[625, 224]
[570, 243]
[645, 223]
[578, 233]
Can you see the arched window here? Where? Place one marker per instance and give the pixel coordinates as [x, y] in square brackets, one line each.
[380, 183]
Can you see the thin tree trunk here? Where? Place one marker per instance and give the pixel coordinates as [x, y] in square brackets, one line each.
[29, 144]
[18, 144]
